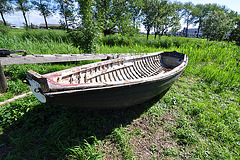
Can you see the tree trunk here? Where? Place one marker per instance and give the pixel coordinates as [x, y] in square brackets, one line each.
[198, 31]
[45, 19]
[3, 81]
[199, 26]
[25, 18]
[148, 33]
[4, 22]
[187, 27]
[187, 30]
[155, 33]
[65, 16]
[134, 22]
[24, 15]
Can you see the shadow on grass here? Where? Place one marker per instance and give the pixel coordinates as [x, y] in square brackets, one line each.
[48, 132]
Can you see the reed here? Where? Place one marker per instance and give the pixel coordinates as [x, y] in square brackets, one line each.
[198, 118]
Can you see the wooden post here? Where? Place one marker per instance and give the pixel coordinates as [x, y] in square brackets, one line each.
[3, 80]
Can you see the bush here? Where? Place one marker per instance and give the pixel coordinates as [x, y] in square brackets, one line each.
[3, 29]
[117, 39]
[235, 35]
[86, 40]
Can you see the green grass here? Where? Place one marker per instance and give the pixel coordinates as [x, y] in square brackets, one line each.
[198, 118]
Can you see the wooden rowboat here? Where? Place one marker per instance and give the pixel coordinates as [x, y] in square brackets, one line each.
[115, 83]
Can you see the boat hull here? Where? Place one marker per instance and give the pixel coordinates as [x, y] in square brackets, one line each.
[112, 97]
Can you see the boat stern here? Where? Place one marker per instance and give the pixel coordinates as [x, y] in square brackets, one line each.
[38, 85]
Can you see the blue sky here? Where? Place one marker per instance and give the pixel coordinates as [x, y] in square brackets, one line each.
[35, 18]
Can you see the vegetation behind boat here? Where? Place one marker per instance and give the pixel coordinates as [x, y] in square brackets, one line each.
[197, 118]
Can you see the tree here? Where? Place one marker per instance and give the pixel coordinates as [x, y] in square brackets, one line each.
[113, 15]
[5, 7]
[235, 34]
[149, 12]
[217, 25]
[198, 13]
[135, 8]
[86, 38]
[186, 14]
[44, 7]
[66, 9]
[23, 6]
[167, 17]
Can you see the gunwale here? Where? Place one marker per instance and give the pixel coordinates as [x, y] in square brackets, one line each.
[51, 84]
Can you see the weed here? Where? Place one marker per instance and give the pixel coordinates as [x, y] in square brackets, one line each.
[198, 118]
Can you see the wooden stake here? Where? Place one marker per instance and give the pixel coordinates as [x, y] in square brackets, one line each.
[3, 80]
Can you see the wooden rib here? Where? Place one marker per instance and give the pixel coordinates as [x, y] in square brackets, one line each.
[119, 75]
[85, 77]
[115, 75]
[102, 78]
[152, 62]
[98, 73]
[137, 71]
[157, 61]
[142, 72]
[110, 77]
[156, 72]
[126, 73]
[144, 67]
[133, 76]
[149, 64]
[106, 77]
[154, 67]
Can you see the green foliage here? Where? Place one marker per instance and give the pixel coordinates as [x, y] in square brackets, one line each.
[187, 14]
[86, 150]
[45, 8]
[198, 118]
[114, 16]
[235, 34]
[87, 36]
[67, 10]
[85, 40]
[117, 39]
[217, 25]
[3, 29]
[46, 35]
[5, 7]
[23, 6]
[38, 42]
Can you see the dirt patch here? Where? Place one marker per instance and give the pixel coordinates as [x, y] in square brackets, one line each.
[149, 139]
[153, 140]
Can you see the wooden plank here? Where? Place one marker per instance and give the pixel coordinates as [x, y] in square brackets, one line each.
[29, 59]
[3, 80]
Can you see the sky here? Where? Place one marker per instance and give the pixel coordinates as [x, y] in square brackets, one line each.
[34, 17]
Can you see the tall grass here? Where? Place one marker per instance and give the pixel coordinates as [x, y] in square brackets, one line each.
[213, 61]
[198, 118]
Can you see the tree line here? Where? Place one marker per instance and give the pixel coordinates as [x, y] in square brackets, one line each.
[216, 22]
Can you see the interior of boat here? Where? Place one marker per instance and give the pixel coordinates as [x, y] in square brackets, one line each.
[122, 69]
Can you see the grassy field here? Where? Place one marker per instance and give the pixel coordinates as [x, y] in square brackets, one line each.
[198, 118]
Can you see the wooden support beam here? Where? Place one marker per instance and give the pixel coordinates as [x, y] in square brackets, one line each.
[37, 58]
[28, 59]
[3, 80]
